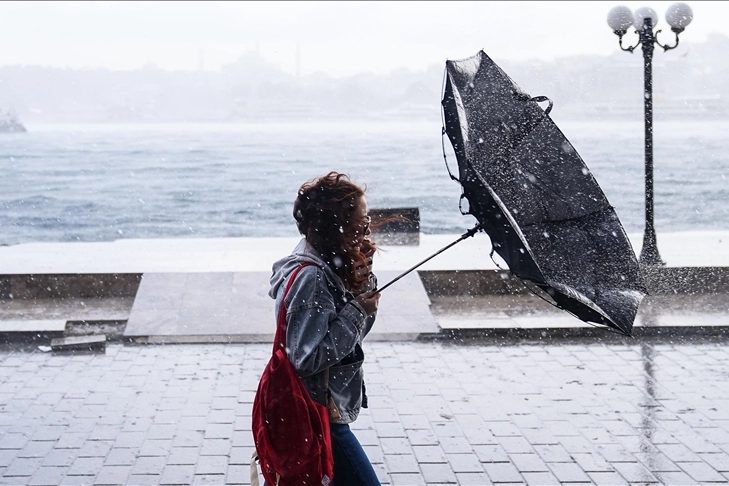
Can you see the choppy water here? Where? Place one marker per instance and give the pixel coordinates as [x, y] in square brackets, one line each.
[103, 182]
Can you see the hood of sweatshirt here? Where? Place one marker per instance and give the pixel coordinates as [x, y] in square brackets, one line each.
[303, 253]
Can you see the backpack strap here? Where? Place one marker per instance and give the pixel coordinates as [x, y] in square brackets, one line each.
[279, 341]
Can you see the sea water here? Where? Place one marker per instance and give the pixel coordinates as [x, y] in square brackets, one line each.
[106, 182]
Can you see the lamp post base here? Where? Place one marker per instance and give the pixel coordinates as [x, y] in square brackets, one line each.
[649, 253]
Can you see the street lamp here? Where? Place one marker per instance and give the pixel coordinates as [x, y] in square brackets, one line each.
[620, 19]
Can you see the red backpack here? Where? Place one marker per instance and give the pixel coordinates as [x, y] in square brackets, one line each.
[290, 429]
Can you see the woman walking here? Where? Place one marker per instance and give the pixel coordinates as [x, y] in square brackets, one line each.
[330, 308]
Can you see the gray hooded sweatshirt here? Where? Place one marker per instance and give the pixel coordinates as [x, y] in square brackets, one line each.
[325, 329]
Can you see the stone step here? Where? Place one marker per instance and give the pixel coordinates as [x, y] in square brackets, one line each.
[78, 343]
[32, 325]
[235, 307]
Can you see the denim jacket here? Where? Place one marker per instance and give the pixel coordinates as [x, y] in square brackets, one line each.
[325, 329]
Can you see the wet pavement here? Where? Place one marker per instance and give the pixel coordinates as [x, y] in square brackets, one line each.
[584, 411]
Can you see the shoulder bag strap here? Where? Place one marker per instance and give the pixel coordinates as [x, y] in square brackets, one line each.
[279, 341]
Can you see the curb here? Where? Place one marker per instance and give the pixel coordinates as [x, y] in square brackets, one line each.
[508, 336]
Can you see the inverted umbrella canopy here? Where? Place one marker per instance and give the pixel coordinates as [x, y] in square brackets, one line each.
[532, 193]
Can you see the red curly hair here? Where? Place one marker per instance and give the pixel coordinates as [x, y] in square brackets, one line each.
[324, 211]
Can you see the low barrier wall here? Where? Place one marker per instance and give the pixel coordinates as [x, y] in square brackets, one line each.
[76, 285]
[660, 281]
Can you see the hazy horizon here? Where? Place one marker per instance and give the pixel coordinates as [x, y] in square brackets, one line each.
[339, 39]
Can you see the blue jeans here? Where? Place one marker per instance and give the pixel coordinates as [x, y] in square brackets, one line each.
[352, 467]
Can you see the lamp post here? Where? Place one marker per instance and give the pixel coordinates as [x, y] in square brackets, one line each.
[620, 19]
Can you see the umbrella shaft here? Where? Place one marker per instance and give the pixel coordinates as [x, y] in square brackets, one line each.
[467, 234]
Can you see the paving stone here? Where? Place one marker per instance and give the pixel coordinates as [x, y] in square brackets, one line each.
[429, 454]
[447, 429]
[553, 453]
[679, 453]
[113, 475]
[144, 479]
[208, 479]
[48, 475]
[701, 472]
[719, 462]
[155, 447]
[573, 444]
[515, 445]
[23, 466]
[415, 421]
[503, 429]
[211, 465]
[592, 462]
[36, 449]
[390, 429]
[129, 439]
[615, 453]
[396, 445]
[405, 479]
[48, 433]
[540, 478]
[84, 481]
[469, 479]
[491, 453]
[657, 462]
[239, 475]
[149, 466]
[528, 463]
[95, 448]
[438, 473]
[215, 447]
[608, 478]
[401, 463]
[503, 472]
[242, 455]
[568, 472]
[177, 475]
[14, 480]
[161, 431]
[634, 472]
[218, 431]
[59, 457]
[224, 417]
[675, 478]
[455, 445]
[86, 466]
[462, 463]
[7, 456]
[543, 437]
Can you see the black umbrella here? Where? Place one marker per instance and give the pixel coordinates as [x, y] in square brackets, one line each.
[531, 192]
[534, 196]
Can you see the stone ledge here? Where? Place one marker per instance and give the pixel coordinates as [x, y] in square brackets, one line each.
[660, 281]
[74, 285]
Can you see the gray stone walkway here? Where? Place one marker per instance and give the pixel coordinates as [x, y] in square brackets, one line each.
[582, 412]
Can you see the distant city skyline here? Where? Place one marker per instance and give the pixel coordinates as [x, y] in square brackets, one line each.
[337, 38]
[690, 81]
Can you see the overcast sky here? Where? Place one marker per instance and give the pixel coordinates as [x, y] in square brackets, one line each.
[339, 38]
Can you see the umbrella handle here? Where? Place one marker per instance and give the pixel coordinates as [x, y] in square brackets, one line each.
[465, 235]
